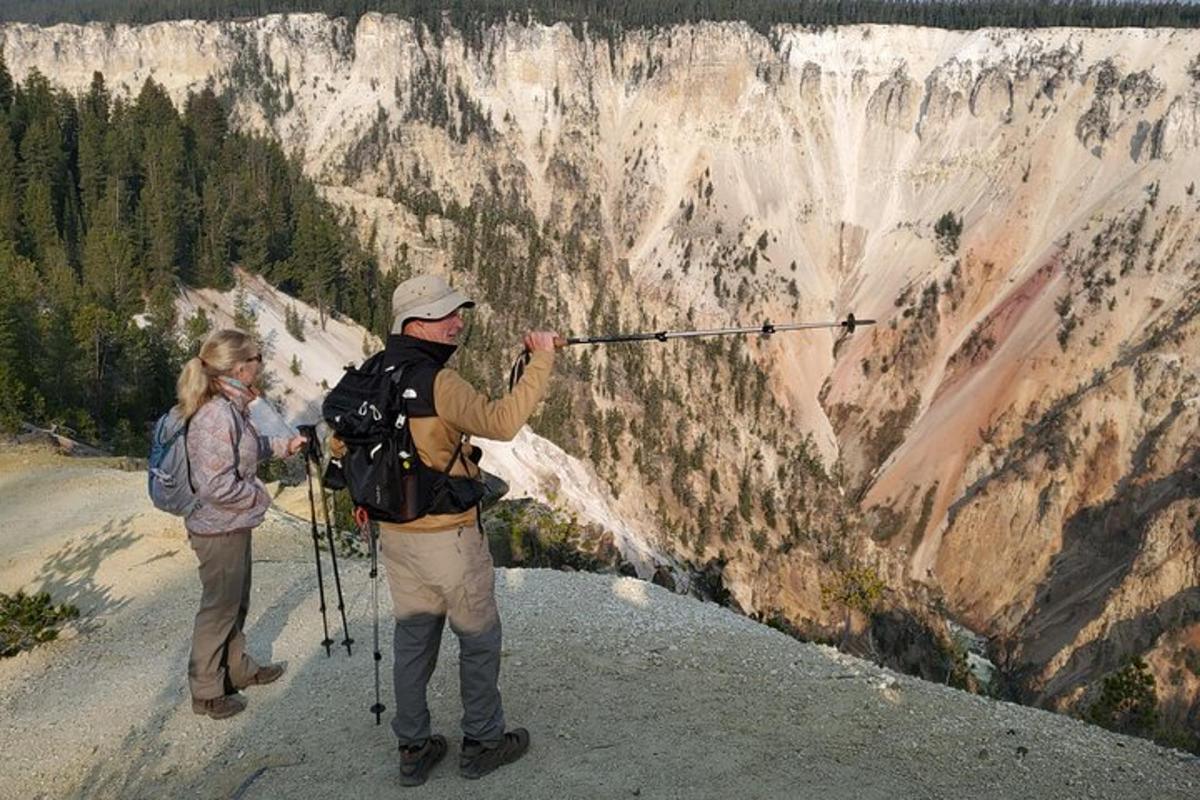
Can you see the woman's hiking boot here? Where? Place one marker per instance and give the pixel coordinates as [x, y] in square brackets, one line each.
[416, 761]
[478, 759]
[219, 707]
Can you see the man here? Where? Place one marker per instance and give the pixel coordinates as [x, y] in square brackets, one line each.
[439, 566]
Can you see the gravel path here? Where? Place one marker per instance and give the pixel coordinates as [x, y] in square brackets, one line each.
[628, 690]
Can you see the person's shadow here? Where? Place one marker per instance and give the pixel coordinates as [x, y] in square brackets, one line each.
[69, 575]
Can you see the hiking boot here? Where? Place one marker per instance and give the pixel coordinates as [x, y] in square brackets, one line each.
[219, 707]
[265, 674]
[417, 761]
[478, 758]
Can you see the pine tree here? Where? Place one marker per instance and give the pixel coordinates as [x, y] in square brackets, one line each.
[122, 148]
[18, 337]
[162, 199]
[95, 329]
[10, 206]
[293, 323]
[215, 242]
[6, 85]
[42, 172]
[109, 255]
[316, 259]
[208, 125]
[265, 194]
[42, 241]
[93, 131]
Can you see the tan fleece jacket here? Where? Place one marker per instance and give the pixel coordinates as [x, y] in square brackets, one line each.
[462, 410]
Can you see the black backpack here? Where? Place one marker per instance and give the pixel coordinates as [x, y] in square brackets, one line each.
[369, 410]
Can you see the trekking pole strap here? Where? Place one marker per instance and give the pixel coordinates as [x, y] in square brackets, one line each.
[518, 369]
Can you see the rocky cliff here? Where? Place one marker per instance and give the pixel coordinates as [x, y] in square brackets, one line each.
[1016, 439]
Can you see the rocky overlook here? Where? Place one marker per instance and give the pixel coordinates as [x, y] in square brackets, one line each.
[1017, 441]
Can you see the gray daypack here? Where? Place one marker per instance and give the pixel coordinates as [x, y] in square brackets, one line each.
[170, 470]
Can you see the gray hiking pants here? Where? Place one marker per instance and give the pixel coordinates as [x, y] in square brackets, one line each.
[219, 663]
[432, 577]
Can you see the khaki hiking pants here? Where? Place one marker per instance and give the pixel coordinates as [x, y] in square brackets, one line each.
[434, 577]
[219, 664]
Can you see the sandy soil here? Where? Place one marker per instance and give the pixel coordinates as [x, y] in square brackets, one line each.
[629, 691]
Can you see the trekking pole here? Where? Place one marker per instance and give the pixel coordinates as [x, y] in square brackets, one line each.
[316, 537]
[314, 453]
[766, 329]
[337, 580]
[368, 529]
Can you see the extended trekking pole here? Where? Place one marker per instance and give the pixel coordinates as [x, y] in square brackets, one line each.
[313, 452]
[766, 329]
[316, 537]
[337, 580]
[369, 530]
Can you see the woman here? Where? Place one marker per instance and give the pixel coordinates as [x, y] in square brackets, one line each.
[224, 449]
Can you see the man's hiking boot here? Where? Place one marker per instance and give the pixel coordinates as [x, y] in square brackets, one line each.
[219, 707]
[265, 674]
[417, 761]
[478, 759]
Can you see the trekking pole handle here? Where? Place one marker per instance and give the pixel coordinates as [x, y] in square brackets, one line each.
[312, 449]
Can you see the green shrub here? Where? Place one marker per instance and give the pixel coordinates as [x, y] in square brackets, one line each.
[859, 588]
[1128, 701]
[947, 229]
[293, 322]
[28, 620]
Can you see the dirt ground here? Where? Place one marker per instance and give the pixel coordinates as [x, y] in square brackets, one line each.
[628, 690]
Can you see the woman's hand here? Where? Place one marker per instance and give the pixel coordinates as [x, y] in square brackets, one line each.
[296, 444]
[337, 448]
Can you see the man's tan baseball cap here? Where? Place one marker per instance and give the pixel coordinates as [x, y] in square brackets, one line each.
[425, 297]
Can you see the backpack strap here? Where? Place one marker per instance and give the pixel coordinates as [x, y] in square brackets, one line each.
[458, 454]
[187, 457]
[237, 441]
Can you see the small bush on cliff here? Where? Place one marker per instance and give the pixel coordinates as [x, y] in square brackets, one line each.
[1128, 701]
[293, 322]
[947, 229]
[855, 588]
[28, 620]
[525, 533]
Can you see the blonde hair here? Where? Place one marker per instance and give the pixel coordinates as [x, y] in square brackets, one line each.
[221, 352]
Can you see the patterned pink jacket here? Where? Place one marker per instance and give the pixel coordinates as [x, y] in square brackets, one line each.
[232, 497]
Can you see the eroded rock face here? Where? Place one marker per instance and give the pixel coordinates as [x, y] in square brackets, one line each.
[1019, 431]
